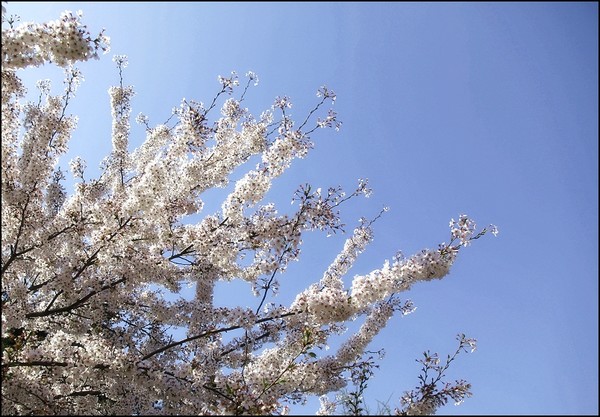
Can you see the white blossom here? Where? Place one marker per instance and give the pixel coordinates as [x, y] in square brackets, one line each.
[88, 278]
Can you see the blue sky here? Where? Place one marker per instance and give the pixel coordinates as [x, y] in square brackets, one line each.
[488, 109]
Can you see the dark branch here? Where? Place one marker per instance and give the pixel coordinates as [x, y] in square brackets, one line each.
[210, 332]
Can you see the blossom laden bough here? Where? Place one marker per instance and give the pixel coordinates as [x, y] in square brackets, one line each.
[60, 42]
[432, 392]
[86, 327]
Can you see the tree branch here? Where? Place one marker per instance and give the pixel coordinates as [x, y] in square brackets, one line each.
[210, 332]
[74, 305]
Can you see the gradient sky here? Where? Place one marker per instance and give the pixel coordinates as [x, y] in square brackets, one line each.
[488, 109]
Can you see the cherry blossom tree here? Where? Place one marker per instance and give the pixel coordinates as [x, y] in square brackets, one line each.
[85, 326]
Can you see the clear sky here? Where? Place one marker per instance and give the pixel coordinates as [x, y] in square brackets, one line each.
[488, 109]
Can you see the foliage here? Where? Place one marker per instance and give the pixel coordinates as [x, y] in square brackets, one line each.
[86, 328]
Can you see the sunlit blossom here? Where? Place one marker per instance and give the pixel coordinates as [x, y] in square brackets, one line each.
[91, 280]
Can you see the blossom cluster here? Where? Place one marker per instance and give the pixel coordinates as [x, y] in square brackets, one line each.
[88, 323]
[62, 42]
[432, 392]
